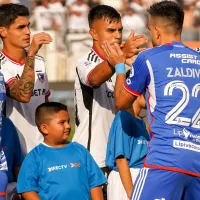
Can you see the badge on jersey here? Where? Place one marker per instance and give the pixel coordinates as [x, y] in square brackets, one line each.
[41, 77]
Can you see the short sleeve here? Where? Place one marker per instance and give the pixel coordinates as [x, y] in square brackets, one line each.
[28, 175]
[139, 77]
[119, 139]
[8, 74]
[95, 175]
[84, 69]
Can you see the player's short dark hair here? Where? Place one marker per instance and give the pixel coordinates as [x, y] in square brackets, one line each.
[169, 11]
[10, 12]
[103, 12]
[46, 111]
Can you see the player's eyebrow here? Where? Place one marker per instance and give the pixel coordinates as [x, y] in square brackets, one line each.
[23, 25]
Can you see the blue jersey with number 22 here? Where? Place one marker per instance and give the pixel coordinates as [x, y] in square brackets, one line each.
[171, 76]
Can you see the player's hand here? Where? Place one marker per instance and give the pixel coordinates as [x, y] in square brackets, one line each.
[37, 42]
[129, 61]
[133, 43]
[113, 53]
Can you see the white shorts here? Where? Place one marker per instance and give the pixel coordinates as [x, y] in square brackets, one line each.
[115, 188]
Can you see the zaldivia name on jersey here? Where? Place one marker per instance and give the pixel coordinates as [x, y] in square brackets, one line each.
[183, 72]
[186, 58]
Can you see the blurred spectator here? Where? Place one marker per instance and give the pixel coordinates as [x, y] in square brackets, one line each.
[197, 14]
[92, 3]
[132, 21]
[42, 16]
[78, 13]
[9, 1]
[189, 7]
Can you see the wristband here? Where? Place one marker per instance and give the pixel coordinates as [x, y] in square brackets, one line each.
[120, 68]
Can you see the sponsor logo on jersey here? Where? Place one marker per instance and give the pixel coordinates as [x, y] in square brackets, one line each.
[1, 78]
[160, 199]
[61, 167]
[187, 135]
[186, 145]
[38, 92]
[110, 94]
[41, 77]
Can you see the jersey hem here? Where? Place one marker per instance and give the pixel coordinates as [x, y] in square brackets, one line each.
[2, 194]
[171, 169]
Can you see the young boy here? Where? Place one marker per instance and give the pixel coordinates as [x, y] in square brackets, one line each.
[58, 169]
[126, 150]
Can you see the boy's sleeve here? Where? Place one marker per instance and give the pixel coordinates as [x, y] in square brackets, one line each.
[28, 175]
[95, 174]
[119, 139]
[139, 77]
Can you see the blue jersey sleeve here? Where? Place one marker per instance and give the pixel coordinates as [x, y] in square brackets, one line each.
[28, 175]
[119, 139]
[95, 174]
[139, 77]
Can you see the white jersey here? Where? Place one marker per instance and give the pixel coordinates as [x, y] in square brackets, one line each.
[95, 109]
[23, 114]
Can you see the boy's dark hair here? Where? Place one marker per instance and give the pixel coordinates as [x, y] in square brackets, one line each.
[169, 11]
[45, 111]
[103, 11]
[10, 12]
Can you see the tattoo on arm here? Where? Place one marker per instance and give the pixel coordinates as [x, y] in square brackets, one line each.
[21, 89]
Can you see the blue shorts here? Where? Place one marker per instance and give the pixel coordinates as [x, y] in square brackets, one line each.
[156, 184]
[3, 184]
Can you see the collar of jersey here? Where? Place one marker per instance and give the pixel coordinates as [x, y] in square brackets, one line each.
[12, 60]
[93, 49]
[174, 43]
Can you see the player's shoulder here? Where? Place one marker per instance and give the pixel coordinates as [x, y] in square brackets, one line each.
[78, 146]
[39, 58]
[90, 58]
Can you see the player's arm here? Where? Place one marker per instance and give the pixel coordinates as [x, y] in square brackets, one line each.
[125, 174]
[105, 70]
[96, 193]
[21, 90]
[123, 99]
[30, 195]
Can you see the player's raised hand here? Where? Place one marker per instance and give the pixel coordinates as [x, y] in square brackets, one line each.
[37, 42]
[113, 53]
[133, 43]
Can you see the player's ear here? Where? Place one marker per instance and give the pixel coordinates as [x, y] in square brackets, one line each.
[44, 129]
[158, 31]
[3, 32]
[93, 34]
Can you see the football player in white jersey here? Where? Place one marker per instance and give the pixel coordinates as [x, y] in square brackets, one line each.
[24, 72]
[95, 80]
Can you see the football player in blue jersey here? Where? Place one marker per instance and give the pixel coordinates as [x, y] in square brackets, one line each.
[56, 168]
[170, 74]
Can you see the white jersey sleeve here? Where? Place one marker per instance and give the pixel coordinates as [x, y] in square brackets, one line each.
[9, 75]
[84, 68]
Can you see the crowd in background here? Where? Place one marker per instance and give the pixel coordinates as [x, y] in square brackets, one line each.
[133, 13]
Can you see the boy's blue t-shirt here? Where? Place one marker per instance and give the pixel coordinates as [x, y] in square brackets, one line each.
[63, 173]
[129, 138]
[11, 146]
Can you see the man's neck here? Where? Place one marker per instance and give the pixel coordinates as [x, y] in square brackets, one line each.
[18, 55]
[98, 50]
[53, 144]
